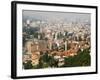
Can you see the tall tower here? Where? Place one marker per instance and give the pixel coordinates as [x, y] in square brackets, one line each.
[66, 45]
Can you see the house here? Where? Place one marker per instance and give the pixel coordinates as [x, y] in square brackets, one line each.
[35, 59]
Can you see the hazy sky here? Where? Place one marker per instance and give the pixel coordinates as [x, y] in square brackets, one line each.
[48, 15]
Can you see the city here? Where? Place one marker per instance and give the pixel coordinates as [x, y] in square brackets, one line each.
[53, 43]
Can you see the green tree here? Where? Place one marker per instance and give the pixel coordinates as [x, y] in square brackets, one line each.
[28, 65]
[82, 59]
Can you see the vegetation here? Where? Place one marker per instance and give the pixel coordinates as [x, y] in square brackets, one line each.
[28, 65]
[82, 59]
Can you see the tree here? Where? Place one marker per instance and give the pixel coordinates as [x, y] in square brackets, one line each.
[82, 59]
[28, 65]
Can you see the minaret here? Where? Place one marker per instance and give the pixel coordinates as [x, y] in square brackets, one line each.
[65, 45]
[56, 36]
[50, 45]
[37, 46]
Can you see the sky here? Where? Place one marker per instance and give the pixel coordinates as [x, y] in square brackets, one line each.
[50, 15]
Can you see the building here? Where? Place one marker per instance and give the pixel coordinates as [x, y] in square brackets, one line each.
[35, 58]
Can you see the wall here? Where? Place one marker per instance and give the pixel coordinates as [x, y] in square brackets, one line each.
[5, 39]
